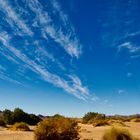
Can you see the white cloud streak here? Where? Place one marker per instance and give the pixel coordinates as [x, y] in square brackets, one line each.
[132, 34]
[2, 68]
[13, 18]
[67, 40]
[65, 36]
[74, 86]
[129, 46]
[62, 15]
[44, 55]
[15, 22]
[6, 77]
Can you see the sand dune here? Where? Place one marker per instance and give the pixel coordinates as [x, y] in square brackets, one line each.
[86, 132]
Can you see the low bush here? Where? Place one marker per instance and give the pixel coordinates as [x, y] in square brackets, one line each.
[2, 123]
[18, 115]
[7, 116]
[100, 123]
[57, 128]
[20, 127]
[135, 120]
[91, 116]
[118, 134]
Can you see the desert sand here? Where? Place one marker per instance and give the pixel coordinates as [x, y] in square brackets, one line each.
[87, 132]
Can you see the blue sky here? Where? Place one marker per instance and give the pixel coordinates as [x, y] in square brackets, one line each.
[70, 57]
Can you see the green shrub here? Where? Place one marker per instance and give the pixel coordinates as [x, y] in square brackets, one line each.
[7, 116]
[57, 128]
[2, 123]
[118, 134]
[91, 116]
[32, 119]
[18, 115]
[20, 127]
[57, 116]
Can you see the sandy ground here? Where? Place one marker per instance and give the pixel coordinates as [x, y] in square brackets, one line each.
[15, 135]
[87, 132]
[8, 135]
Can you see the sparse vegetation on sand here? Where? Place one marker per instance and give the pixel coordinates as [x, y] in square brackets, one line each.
[100, 123]
[119, 123]
[91, 117]
[94, 126]
[57, 128]
[20, 127]
[118, 134]
[135, 120]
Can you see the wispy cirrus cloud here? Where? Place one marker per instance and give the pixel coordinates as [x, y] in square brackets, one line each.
[6, 77]
[129, 46]
[73, 85]
[133, 34]
[2, 68]
[64, 36]
[120, 29]
[29, 51]
[62, 15]
[71, 31]
[13, 18]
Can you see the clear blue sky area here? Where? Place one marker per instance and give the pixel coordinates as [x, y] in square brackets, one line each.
[70, 56]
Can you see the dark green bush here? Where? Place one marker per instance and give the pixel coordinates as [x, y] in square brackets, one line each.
[56, 116]
[91, 116]
[57, 128]
[18, 115]
[33, 119]
[7, 116]
[2, 123]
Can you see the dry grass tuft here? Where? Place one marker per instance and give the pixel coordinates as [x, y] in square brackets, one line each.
[118, 134]
[100, 123]
[135, 120]
[59, 128]
[20, 127]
